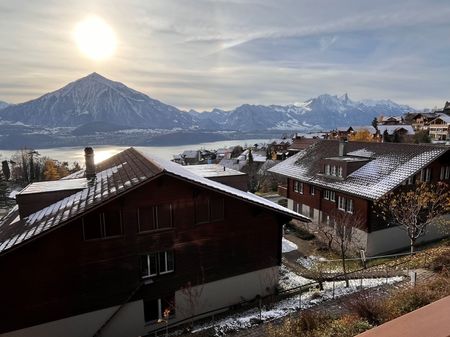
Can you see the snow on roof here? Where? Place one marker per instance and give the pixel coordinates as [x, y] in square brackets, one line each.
[212, 170]
[389, 165]
[116, 175]
[443, 117]
[393, 128]
[53, 186]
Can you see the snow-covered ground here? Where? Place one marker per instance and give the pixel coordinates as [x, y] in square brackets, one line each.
[291, 304]
[290, 280]
[288, 246]
[309, 261]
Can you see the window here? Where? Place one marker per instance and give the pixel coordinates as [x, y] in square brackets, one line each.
[341, 203]
[209, 209]
[312, 190]
[201, 210]
[327, 169]
[217, 209]
[298, 187]
[333, 196]
[445, 172]
[329, 195]
[350, 206]
[333, 170]
[159, 309]
[311, 212]
[160, 263]
[102, 225]
[411, 180]
[154, 217]
[340, 171]
[428, 175]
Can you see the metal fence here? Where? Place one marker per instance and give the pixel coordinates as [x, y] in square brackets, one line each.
[401, 268]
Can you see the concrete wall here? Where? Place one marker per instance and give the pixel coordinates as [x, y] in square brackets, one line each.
[128, 322]
[226, 292]
[130, 319]
[395, 238]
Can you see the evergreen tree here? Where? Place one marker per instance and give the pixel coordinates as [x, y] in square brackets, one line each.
[3, 188]
[375, 123]
[386, 137]
[250, 156]
[5, 170]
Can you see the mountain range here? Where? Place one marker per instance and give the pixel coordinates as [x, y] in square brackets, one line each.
[96, 99]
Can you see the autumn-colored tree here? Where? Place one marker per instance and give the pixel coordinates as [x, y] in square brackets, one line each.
[50, 170]
[362, 135]
[415, 209]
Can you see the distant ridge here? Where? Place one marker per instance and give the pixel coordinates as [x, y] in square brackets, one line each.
[95, 99]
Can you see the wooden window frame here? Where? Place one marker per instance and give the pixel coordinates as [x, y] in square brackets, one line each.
[155, 218]
[101, 219]
[158, 263]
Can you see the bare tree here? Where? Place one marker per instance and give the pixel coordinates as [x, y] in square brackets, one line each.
[193, 294]
[345, 236]
[414, 209]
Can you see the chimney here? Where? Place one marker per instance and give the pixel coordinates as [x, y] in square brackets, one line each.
[342, 147]
[89, 162]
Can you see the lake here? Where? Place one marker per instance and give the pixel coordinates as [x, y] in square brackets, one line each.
[102, 152]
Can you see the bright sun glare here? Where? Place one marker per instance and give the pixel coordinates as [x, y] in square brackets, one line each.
[95, 38]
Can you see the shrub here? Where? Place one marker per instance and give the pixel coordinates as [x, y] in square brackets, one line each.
[411, 299]
[347, 326]
[440, 263]
[367, 306]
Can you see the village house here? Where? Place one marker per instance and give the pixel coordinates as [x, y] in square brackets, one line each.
[132, 241]
[335, 176]
[439, 128]
[421, 121]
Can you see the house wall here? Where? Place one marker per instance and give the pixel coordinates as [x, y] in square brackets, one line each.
[239, 181]
[130, 319]
[61, 275]
[321, 207]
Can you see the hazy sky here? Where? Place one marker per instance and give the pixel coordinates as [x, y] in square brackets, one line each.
[212, 53]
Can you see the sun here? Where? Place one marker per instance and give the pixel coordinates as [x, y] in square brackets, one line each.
[95, 38]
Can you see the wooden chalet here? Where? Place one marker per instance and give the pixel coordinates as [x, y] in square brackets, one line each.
[116, 248]
[335, 176]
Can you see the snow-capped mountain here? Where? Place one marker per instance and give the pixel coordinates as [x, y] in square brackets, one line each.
[323, 112]
[3, 105]
[95, 98]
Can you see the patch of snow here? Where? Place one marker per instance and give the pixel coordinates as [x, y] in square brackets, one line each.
[290, 280]
[288, 246]
[247, 319]
[309, 261]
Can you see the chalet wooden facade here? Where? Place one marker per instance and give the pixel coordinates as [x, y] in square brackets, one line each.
[132, 245]
[332, 176]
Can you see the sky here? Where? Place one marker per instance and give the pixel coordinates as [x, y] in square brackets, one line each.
[203, 54]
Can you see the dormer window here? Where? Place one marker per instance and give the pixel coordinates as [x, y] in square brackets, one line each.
[333, 170]
[327, 169]
[340, 170]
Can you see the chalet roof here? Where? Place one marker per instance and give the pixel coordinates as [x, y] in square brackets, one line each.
[212, 170]
[115, 176]
[302, 143]
[391, 129]
[445, 118]
[389, 165]
[55, 185]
